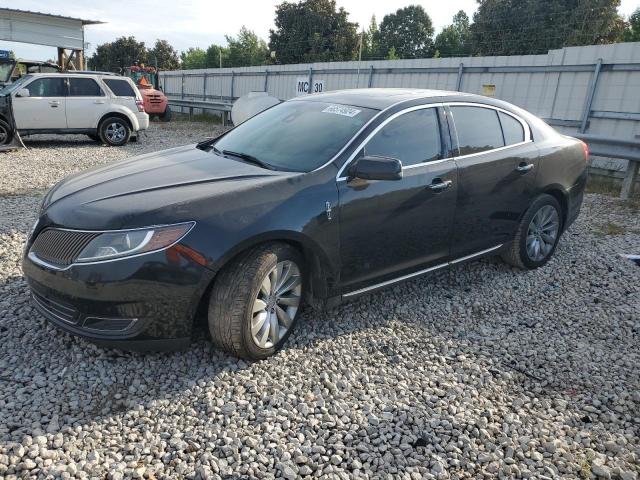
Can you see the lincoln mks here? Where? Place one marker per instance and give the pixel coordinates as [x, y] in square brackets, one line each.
[318, 199]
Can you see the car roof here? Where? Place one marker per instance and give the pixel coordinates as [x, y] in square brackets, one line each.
[381, 98]
[78, 73]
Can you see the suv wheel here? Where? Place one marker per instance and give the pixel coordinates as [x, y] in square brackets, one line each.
[114, 131]
[6, 133]
[537, 235]
[255, 301]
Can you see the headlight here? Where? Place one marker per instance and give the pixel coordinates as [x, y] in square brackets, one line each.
[123, 243]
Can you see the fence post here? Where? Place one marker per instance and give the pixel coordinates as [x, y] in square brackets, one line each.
[590, 95]
[310, 79]
[182, 91]
[233, 76]
[370, 77]
[266, 79]
[204, 88]
[459, 79]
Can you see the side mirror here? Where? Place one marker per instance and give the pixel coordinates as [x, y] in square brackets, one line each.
[23, 92]
[377, 168]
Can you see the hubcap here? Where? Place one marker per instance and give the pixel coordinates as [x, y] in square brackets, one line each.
[115, 132]
[542, 233]
[3, 135]
[276, 304]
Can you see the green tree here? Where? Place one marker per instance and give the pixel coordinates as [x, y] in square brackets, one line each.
[632, 29]
[371, 40]
[519, 27]
[119, 54]
[409, 31]
[455, 39]
[193, 58]
[312, 31]
[246, 49]
[217, 55]
[165, 55]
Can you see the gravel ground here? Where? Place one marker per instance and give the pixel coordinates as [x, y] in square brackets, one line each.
[480, 371]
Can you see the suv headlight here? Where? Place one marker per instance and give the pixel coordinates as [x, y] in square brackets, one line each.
[123, 243]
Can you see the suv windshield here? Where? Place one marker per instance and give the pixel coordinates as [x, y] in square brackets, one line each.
[14, 86]
[297, 136]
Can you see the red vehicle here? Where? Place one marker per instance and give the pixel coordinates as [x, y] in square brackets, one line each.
[155, 102]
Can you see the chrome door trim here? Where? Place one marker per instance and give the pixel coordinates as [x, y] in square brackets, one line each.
[420, 272]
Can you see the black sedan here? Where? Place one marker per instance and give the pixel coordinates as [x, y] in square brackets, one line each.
[318, 199]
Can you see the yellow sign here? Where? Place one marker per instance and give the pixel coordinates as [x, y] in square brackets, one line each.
[488, 90]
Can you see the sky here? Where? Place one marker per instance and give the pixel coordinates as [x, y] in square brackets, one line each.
[199, 23]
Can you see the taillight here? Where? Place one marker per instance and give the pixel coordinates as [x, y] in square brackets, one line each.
[140, 105]
[585, 149]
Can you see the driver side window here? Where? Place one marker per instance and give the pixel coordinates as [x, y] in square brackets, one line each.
[412, 138]
[46, 87]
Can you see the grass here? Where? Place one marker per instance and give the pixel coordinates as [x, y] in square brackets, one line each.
[611, 229]
[603, 185]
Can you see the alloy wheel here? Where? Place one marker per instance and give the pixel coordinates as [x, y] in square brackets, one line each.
[276, 304]
[115, 132]
[3, 135]
[542, 233]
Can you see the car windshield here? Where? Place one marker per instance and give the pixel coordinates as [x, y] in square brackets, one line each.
[297, 136]
[14, 86]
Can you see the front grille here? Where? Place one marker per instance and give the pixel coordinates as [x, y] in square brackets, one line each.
[61, 247]
[50, 308]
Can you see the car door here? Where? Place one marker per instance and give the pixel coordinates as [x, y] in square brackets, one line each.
[44, 108]
[496, 170]
[392, 228]
[86, 103]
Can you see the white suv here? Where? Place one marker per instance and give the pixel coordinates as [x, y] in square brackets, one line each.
[103, 106]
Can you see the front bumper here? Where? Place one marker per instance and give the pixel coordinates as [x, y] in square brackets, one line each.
[140, 303]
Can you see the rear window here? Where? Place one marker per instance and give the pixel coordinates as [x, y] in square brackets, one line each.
[120, 88]
[84, 87]
[512, 129]
[478, 129]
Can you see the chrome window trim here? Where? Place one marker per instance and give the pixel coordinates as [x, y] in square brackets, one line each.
[38, 261]
[420, 272]
[525, 126]
[380, 127]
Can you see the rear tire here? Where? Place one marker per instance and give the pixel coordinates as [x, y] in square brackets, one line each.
[166, 115]
[114, 131]
[6, 133]
[537, 235]
[255, 301]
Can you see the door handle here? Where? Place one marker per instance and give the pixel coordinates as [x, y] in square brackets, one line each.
[54, 103]
[98, 101]
[524, 167]
[438, 185]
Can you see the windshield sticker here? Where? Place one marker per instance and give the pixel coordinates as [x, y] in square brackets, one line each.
[342, 110]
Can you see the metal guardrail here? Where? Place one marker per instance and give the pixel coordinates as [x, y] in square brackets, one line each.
[601, 146]
[219, 105]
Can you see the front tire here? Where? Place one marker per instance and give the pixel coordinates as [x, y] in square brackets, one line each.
[166, 115]
[114, 131]
[255, 301]
[537, 236]
[6, 133]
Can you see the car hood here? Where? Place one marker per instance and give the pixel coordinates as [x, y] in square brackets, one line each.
[167, 169]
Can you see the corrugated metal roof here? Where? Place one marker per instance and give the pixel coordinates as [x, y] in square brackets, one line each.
[29, 12]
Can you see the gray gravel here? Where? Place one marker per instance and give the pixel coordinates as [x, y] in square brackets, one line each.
[480, 371]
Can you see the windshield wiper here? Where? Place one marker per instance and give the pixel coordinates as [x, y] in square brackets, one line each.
[247, 158]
